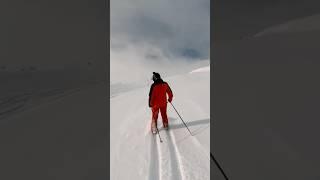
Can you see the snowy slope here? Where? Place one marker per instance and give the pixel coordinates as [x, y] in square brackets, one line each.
[137, 154]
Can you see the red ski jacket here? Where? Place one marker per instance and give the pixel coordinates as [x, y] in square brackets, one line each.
[158, 94]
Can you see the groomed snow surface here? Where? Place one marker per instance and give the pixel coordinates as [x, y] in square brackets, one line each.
[136, 154]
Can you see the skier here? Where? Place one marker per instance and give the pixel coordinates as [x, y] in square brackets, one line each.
[158, 101]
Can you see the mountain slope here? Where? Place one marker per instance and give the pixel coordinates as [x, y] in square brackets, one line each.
[137, 154]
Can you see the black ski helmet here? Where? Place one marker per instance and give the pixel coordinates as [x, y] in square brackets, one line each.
[155, 76]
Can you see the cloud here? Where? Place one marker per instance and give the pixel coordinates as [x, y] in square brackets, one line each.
[135, 63]
[157, 35]
[177, 27]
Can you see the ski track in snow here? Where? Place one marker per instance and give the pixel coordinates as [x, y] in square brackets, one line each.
[154, 162]
[175, 156]
[167, 156]
[167, 160]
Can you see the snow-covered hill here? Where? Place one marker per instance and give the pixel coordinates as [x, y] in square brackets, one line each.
[136, 154]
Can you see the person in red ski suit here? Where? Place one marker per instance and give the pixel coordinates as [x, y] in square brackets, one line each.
[158, 100]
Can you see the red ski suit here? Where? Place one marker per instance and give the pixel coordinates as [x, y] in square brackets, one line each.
[158, 100]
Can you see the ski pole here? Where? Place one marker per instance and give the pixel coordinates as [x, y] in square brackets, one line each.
[159, 134]
[181, 118]
[219, 167]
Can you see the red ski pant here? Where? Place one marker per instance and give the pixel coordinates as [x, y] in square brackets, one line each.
[155, 112]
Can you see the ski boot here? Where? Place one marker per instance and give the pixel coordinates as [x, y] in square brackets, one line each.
[166, 126]
[154, 128]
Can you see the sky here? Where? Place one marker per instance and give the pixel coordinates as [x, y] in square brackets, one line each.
[153, 33]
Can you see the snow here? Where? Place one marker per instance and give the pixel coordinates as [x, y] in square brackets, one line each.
[136, 154]
[203, 69]
[50, 119]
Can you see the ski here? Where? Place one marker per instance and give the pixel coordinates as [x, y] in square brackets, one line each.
[158, 134]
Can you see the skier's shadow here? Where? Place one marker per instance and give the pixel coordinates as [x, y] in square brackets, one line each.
[192, 123]
[204, 122]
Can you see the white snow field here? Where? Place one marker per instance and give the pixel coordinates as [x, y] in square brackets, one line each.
[136, 154]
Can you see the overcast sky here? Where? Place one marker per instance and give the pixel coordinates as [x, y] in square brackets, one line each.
[174, 27]
[157, 35]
